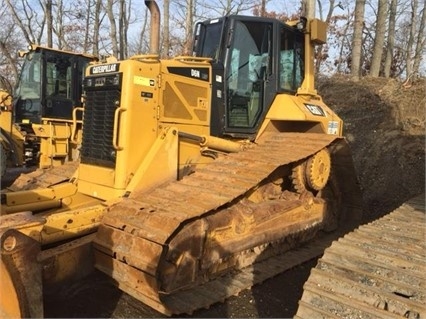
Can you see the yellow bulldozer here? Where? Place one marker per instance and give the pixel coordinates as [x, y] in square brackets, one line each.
[41, 124]
[192, 169]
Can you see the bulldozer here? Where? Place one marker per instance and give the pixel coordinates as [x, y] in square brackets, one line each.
[41, 123]
[193, 169]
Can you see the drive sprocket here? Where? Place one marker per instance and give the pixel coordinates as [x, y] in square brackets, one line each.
[313, 173]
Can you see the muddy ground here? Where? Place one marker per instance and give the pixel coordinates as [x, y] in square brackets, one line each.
[385, 126]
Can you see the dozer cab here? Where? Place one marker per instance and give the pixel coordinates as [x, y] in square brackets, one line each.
[192, 169]
[41, 124]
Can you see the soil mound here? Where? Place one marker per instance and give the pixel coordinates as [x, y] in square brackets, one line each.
[385, 127]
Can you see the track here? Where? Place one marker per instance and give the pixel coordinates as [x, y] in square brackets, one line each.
[376, 271]
[43, 178]
[192, 232]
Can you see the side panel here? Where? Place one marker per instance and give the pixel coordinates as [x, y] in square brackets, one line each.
[123, 126]
[186, 92]
[186, 104]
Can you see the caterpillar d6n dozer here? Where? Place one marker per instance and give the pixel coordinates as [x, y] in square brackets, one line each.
[193, 170]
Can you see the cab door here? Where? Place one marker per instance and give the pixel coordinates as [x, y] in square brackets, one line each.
[248, 70]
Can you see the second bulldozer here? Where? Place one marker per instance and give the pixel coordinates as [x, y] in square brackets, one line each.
[41, 124]
[192, 169]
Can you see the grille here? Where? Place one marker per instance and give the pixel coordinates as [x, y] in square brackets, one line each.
[98, 125]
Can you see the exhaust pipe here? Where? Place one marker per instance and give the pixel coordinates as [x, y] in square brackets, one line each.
[154, 42]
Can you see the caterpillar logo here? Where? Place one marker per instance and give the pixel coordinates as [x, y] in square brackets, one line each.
[315, 109]
[106, 68]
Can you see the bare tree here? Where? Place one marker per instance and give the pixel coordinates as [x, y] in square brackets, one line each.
[263, 8]
[113, 27]
[391, 39]
[143, 43]
[96, 22]
[357, 39]
[411, 35]
[321, 51]
[25, 18]
[420, 43]
[225, 7]
[59, 26]
[123, 23]
[119, 36]
[189, 23]
[379, 38]
[49, 22]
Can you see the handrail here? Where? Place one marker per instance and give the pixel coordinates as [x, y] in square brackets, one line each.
[117, 113]
[74, 122]
[149, 58]
[192, 59]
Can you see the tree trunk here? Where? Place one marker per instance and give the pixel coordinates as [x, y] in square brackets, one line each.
[49, 23]
[188, 27]
[391, 39]
[123, 28]
[59, 30]
[263, 8]
[409, 61]
[342, 58]
[379, 39]
[357, 39]
[96, 22]
[121, 20]
[87, 26]
[113, 27]
[420, 44]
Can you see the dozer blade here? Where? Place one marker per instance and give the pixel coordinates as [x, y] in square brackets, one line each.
[44, 177]
[20, 276]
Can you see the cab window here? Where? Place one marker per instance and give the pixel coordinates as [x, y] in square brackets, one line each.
[291, 60]
[247, 70]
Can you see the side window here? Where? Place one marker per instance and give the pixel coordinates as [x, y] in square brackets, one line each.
[58, 76]
[59, 85]
[29, 82]
[246, 72]
[207, 40]
[291, 60]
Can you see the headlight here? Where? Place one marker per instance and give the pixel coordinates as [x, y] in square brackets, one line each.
[101, 81]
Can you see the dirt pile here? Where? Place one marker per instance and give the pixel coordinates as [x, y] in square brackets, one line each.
[385, 126]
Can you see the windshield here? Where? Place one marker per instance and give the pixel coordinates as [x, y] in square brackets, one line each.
[28, 91]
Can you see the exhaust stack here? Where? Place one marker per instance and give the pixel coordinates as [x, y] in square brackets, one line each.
[154, 42]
